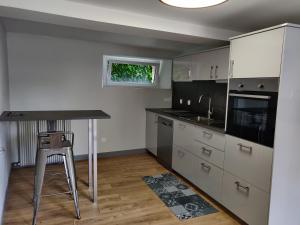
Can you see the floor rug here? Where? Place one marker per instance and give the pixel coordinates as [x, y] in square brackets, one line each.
[178, 197]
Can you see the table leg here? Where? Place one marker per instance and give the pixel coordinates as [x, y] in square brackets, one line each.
[95, 158]
[90, 155]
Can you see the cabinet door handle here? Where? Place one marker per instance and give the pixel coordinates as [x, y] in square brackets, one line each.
[211, 72]
[231, 68]
[208, 135]
[242, 187]
[205, 167]
[244, 148]
[216, 72]
[206, 151]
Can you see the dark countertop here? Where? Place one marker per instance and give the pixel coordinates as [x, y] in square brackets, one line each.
[53, 115]
[220, 127]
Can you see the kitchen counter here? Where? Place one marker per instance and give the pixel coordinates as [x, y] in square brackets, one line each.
[53, 115]
[218, 126]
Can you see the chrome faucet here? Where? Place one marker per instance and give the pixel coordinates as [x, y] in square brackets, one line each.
[200, 98]
[210, 109]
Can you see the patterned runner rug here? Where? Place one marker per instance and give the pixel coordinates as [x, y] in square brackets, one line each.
[178, 197]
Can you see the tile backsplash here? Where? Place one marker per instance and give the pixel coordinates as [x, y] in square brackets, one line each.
[193, 90]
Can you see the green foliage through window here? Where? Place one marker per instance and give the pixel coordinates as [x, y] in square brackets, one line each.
[132, 73]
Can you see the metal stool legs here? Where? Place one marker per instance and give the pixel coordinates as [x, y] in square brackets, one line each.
[41, 162]
[72, 173]
[38, 182]
[67, 174]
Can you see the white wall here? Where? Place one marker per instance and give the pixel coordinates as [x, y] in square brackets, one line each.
[285, 193]
[4, 127]
[55, 73]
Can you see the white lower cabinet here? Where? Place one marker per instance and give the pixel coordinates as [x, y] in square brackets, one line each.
[208, 153]
[200, 172]
[231, 170]
[183, 162]
[250, 161]
[246, 201]
[211, 138]
[183, 134]
[209, 178]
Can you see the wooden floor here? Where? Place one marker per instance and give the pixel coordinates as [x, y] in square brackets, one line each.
[123, 197]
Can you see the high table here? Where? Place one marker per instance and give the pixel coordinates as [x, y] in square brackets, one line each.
[91, 115]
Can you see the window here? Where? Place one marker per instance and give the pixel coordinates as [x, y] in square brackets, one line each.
[130, 71]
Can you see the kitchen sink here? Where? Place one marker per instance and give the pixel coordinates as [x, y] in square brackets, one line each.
[205, 120]
[175, 111]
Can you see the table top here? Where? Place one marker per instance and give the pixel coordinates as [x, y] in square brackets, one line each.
[53, 115]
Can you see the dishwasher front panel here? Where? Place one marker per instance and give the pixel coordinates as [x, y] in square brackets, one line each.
[165, 142]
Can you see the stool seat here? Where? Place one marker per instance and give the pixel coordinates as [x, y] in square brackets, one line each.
[49, 144]
[65, 144]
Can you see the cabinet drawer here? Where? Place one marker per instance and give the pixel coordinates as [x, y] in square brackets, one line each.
[211, 138]
[183, 134]
[183, 163]
[208, 153]
[249, 161]
[246, 201]
[209, 178]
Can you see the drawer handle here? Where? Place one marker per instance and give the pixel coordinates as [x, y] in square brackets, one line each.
[216, 72]
[244, 148]
[211, 72]
[205, 167]
[206, 151]
[240, 187]
[180, 154]
[208, 135]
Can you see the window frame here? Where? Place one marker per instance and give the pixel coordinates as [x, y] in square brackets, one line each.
[108, 60]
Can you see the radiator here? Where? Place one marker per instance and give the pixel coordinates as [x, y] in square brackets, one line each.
[27, 141]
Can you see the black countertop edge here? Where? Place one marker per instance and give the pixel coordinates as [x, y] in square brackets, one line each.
[53, 115]
[161, 111]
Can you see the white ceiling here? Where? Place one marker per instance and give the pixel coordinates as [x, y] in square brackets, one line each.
[239, 15]
[146, 23]
[175, 47]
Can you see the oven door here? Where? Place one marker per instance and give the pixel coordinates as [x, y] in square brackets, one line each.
[251, 116]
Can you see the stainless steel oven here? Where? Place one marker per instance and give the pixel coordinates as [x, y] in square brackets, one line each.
[252, 105]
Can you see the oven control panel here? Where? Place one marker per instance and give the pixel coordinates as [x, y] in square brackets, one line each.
[254, 84]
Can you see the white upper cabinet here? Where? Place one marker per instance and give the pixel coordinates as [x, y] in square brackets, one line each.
[165, 74]
[257, 55]
[213, 65]
[184, 68]
[208, 65]
[221, 63]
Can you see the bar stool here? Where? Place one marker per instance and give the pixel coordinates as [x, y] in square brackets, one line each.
[49, 144]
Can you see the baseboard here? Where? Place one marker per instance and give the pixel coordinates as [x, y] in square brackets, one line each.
[112, 154]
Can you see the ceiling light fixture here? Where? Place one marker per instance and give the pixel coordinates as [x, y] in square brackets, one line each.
[193, 3]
